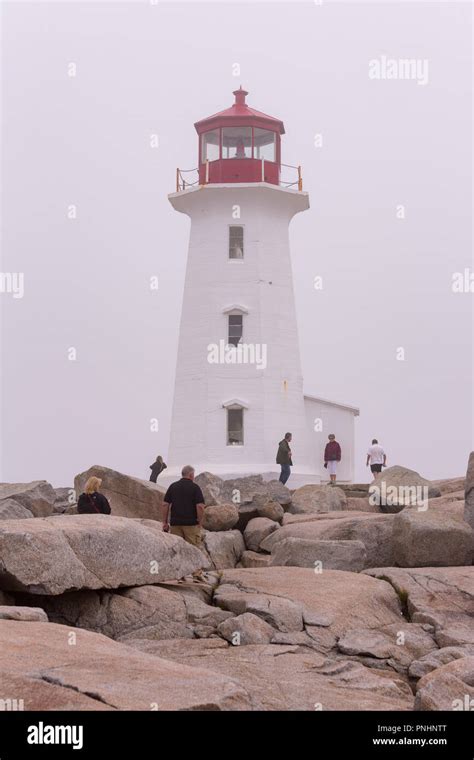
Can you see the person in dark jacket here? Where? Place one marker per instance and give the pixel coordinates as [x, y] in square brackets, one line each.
[332, 455]
[91, 501]
[157, 467]
[283, 458]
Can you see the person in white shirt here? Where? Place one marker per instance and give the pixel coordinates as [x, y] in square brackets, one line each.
[376, 457]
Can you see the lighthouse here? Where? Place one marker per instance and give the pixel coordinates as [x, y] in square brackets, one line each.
[239, 384]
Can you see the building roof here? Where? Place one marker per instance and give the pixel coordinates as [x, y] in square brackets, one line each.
[242, 114]
[353, 409]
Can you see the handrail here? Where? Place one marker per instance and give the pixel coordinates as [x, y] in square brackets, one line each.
[182, 183]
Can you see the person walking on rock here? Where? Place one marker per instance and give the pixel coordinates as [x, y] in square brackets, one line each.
[376, 457]
[284, 458]
[157, 467]
[92, 501]
[332, 455]
[183, 511]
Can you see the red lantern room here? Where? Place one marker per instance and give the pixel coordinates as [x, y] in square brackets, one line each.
[239, 144]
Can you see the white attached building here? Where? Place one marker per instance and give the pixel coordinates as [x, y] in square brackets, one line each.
[239, 386]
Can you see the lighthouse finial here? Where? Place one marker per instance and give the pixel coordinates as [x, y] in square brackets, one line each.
[240, 95]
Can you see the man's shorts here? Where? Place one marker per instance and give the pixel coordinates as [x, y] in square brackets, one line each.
[376, 467]
[190, 533]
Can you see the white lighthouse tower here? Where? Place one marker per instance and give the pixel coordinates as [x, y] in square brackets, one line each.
[239, 385]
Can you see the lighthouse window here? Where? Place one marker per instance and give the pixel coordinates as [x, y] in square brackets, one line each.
[235, 427]
[236, 242]
[235, 329]
[210, 146]
[237, 142]
[264, 144]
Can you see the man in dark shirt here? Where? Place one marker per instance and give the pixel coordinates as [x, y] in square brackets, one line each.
[183, 510]
[284, 458]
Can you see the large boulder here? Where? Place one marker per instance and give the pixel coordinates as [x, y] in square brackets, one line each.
[224, 548]
[249, 494]
[52, 555]
[220, 517]
[26, 614]
[66, 498]
[38, 496]
[393, 646]
[99, 674]
[438, 657]
[469, 492]
[256, 530]
[254, 559]
[272, 510]
[449, 687]
[431, 539]
[128, 496]
[286, 677]
[440, 596]
[293, 599]
[314, 498]
[11, 510]
[375, 532]
[398, 487]
[246, 629]
[330, 555]
[449, 485]
[143, 612]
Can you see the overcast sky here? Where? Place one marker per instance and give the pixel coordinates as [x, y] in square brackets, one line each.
[144, 69]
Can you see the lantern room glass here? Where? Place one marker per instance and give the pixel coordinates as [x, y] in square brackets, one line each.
[210, 146]
[264, 144]
[237, 142]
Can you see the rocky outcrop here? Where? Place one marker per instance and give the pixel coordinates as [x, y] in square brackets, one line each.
[325, 604]
[398, 487]
[56, 554]
[284, 677]
[374, 531]
[99, 673]
[271, 510]
[220, 517]
[314, 498]
[329, 555]
[449, 687]
[440, 596]
[469, 492]
[38, 497]
[128, 496]
[431, 539]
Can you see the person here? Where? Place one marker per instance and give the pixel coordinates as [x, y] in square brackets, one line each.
[283, 458]
[183, 511]
[376, 457]
[332, 455]
[92, 501]
[157, 467]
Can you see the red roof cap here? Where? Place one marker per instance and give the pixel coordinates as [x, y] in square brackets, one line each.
[240, 114]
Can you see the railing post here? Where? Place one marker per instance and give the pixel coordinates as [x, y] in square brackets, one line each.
[263, 170]
[300, 179]
[207, 171]
[177, 180]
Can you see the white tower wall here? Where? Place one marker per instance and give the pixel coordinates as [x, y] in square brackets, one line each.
[262, 285]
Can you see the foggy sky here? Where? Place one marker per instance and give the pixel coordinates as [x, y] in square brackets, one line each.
[156, 69]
